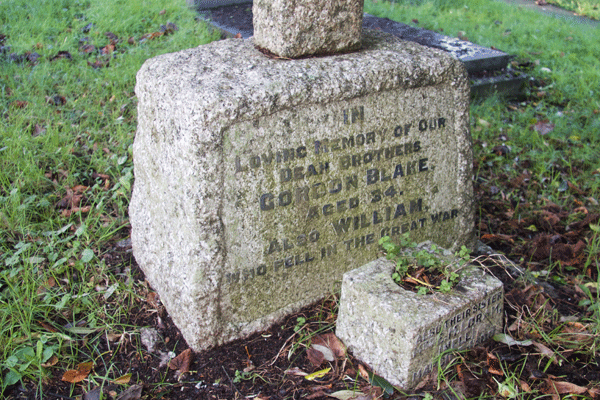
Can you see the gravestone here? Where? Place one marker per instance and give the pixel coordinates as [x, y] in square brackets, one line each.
[259, 181]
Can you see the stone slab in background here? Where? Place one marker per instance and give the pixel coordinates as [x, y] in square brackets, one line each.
[475, 58]
[399, 333]
[260, 181]
[296, 28]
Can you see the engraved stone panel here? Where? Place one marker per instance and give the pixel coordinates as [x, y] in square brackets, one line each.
[399, 333]
[259, 182]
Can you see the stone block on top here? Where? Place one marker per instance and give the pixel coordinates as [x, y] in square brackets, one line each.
[296, 28]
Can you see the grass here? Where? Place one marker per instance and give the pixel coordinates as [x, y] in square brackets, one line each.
[66, 176]
[563, 59]
[588, 8]
[65, 149]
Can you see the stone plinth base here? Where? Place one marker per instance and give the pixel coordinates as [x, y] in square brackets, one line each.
[260, 181]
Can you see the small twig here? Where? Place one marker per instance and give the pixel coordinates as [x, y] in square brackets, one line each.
[418, 281]
[231, 382]
[282, 347]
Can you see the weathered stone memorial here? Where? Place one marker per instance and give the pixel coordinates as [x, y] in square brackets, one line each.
[400, 334]
[260, 181]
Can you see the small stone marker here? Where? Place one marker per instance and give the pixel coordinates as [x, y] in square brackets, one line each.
[296, 28]
[260, 181]
[399, 333]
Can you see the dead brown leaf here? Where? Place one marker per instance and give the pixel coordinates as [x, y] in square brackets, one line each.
[51, 362]
[62, 55]
[79, 374]
[182, 362]
[558, 387]
[87, 48]
[332, 342]
[546, 352]
[19, 104]
[494, 365]
[109, 48]
[111, 36]
[99, 64]
[315, 357]
[543, 127]
[132, 393]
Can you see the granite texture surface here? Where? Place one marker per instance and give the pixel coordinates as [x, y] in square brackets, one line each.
[260, 181]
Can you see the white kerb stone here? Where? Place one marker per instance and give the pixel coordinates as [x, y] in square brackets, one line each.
[399, 333]
[295, 28]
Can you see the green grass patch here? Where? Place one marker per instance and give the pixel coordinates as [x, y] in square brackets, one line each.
[567, 69]
[68, 121]
[587, 8]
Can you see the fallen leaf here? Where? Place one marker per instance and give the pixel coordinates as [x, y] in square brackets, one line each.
[546, 352]
[595, 393]
[62, 54]
[67, 213]
[318, 374]
[332, 342]
[238, 36]
[87, 48]
[37, 130]
[494, 365]
[327, 353]
[109, 48]
[507, 339]
[181, 363]
[47, 326]
[295, 371]
[111, 337]
[93, 394]
[51, 362]
[363, 372]
[79, 374]
[315, 357]
[543, 127]
[19, 104]
[111, 36]
[525, 386]
[99, 64]
[379, 381]
[56, 100]
[123, 380]
[132, 393]
[348, 395]
[168, 29]
[566, 387]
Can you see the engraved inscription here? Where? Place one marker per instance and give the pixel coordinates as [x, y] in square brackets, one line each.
[347, 191]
